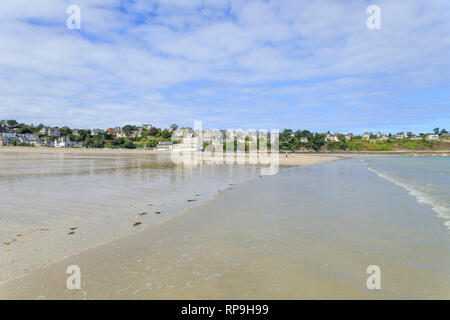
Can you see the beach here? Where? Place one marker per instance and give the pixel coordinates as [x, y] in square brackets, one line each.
[56, 203]
[308, 232]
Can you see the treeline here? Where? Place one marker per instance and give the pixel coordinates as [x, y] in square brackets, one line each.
[147, 138]
[21, 128]
[292, 141]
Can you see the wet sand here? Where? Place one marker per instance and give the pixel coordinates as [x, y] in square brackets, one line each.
[59, 202]
[308, 232]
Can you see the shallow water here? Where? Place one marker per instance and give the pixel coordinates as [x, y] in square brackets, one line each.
[425, 178]
[307, 232]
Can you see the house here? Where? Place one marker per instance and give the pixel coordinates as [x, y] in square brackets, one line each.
[75, 132]
[119, 132]
[96, 132]
[332, 137]
[50, 131]
[349, 136]
[64, 142]
[147, 126]
[432, 137]
[381, 136]
[180, 134]
[189, 143]
[304, 140]
[11, 139]
[164, 146]
[111, 131]
[215, 139]
[366, 136]
[4, 127]
[401, 135]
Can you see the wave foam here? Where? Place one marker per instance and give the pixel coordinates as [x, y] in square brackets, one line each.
[421, 196]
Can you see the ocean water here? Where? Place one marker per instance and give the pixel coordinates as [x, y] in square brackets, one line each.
[307, 232]
[425, 178]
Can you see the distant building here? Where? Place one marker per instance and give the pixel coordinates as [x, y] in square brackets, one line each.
[111, 131]
[4, 127]
[164, 146]
[179, 134]
[64, 142]
[349, 136]
[304, 140]
[75, 132]
[50, 131]
[147, 126]
[188, 143]
[96, 132]
[11, 139]
[432, 137]
[119, 132]
[332, 137]
[366, 136]
[381, 136]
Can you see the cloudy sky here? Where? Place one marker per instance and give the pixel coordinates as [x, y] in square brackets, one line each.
[230, 63]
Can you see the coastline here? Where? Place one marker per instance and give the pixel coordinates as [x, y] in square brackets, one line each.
[281, 152]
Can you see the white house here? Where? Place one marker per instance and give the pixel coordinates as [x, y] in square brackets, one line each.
[432, 137]
[381, 136]
[164, 146]
[332, 137]
[64, 142]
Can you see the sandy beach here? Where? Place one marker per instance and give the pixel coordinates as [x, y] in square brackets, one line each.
[308, 232]
[58, 203]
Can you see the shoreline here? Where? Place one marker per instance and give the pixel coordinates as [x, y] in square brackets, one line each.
[281, 152]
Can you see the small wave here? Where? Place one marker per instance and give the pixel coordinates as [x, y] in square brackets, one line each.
[421, 196]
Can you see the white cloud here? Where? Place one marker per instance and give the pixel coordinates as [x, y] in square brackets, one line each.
[231, 62]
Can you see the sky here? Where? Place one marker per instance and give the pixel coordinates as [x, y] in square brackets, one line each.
[296, 64]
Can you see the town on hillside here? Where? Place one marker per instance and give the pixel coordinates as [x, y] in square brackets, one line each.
[146, 136]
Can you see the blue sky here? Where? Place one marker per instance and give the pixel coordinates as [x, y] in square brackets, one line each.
[230, 63]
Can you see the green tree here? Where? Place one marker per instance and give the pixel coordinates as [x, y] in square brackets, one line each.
[65, 131]
[166, 134]
[129, 145]
[128, 130]
[153, 131]
[12, 123]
